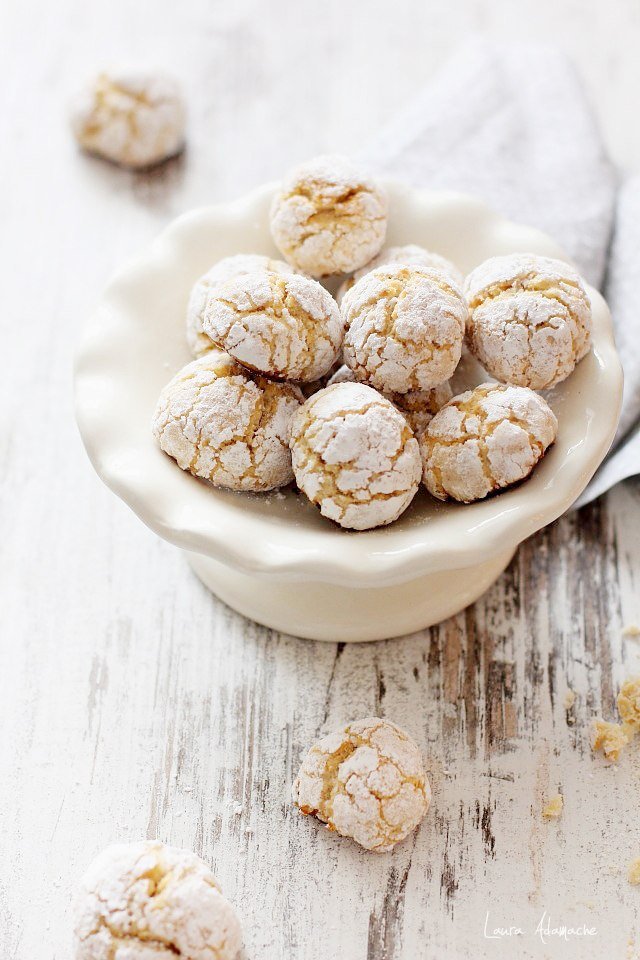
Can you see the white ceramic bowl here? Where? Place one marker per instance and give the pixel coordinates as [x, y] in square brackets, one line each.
[272, 556]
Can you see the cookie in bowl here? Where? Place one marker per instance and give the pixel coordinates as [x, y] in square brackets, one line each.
[355, 456]
[485, 440]
[224, 424]
[329, 216]
[404, 328]
[228, 268]
[286, 327]
[529, 319]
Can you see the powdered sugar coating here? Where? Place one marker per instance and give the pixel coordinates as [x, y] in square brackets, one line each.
[484, 440]
[226, 269]
[330, 216]
[131, 117]
[529, 319]
[366, 782]
[409, 255]
[287, 327]
[146, 900]
[418, 406]
[405, 328]
[226, 425]
[355, 456]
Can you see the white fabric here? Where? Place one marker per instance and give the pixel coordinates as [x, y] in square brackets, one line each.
[511, 124]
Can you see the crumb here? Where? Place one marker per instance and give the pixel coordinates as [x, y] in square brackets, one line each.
[611, 738]
[631, 630]
[634, 872]
[569, 699]
[629, 702]
[554, 807]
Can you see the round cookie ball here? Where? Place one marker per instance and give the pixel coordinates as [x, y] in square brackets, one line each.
[405, 328]
[147, 900]
[131, 117]
[484, 440]
[221, 423]
[287, 327]
[367, 782]
[418, 406]
[529, 319]
[329, 216]
[226, 269]
[355, 456]
[410, 255]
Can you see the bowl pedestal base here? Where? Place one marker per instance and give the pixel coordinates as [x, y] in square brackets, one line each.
[325, 611]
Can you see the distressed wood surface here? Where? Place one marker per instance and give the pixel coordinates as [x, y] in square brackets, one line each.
[134, 704]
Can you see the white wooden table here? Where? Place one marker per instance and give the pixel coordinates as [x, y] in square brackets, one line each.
[132, 703]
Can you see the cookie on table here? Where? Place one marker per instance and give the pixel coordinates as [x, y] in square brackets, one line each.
[132, 117]
[146, 899]
[366, 782]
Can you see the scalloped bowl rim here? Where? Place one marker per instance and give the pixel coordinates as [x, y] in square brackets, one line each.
[255, 543]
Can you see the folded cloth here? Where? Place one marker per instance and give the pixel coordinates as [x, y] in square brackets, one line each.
[621, 291]
[512, 125]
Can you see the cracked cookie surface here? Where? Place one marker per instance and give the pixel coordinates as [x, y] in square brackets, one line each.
[410, 255]
[529, 319]
[146, 900]
[355, 456]
[329, 216]
[226, 269]
[222, 423]
[287, 327]
[404, 328]
[418, 406]
[485, 440]
[132, 118]
[367, 782]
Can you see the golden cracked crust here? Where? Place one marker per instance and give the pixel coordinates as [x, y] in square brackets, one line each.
[529, 319]
[484, 440]
[405, 327]
[355, 456]
[230, 427]
[285, 326]
[329, 217]
[366, 782]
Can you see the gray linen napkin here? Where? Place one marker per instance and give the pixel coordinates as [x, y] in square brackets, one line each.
[511, 124]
